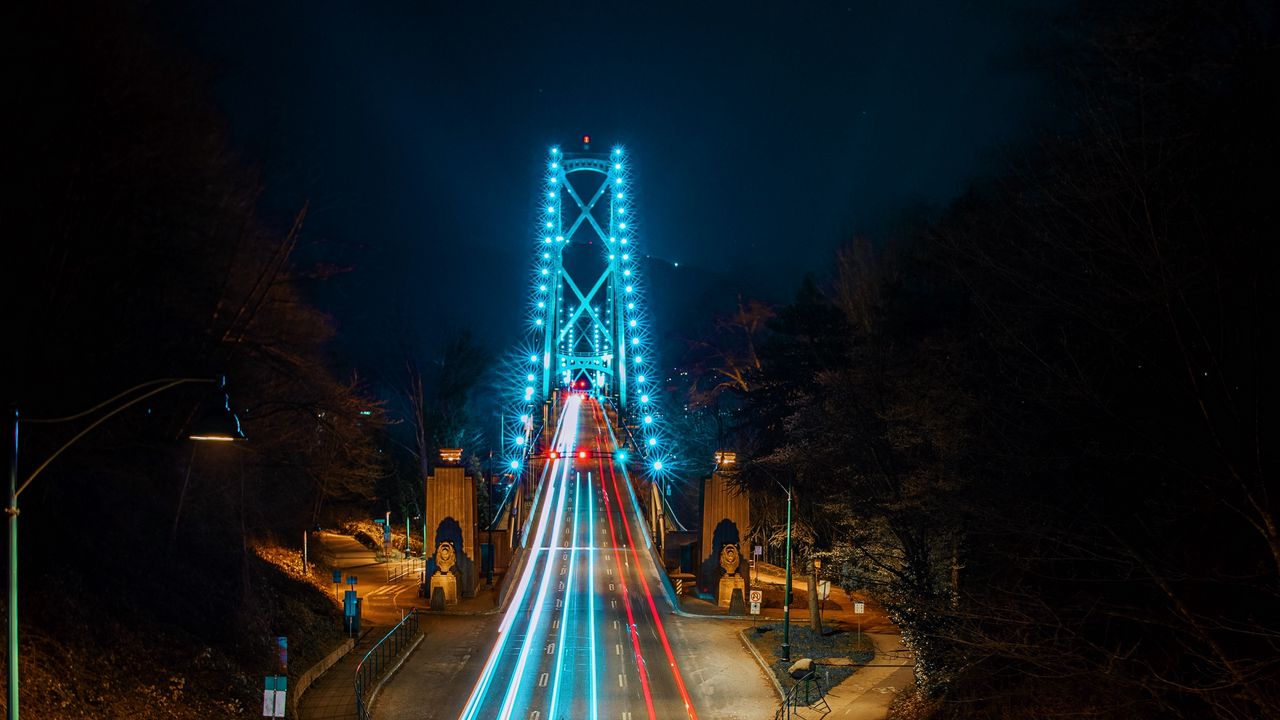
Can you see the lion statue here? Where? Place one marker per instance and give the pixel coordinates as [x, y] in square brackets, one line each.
[729, 559]
[445, 558]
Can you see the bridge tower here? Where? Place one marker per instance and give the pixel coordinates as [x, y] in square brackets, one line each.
[588, 329]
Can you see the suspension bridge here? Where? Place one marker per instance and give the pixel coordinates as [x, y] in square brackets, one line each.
[583, 635]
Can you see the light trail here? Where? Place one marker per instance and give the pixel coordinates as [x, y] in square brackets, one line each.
[568, 597]
[481, 689]
[653, 608]
[508, 702]
[591, 602]
[641, 669]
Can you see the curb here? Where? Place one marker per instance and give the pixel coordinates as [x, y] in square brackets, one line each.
[768, 671]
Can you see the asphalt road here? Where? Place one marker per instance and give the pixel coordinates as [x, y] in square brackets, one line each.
[583, 636]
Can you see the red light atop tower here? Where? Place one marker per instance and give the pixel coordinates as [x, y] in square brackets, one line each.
[586, 139]
[582, 454]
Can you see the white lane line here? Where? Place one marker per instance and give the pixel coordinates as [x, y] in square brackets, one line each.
[478, 692]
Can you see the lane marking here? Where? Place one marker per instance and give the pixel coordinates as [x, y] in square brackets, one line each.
[653, 608]
[591, 603]
[508, 701]
[641, 670]
[480, 690]
[555, 693]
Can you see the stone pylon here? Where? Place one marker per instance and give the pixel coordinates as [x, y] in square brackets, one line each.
[451, 518]
[726, 517]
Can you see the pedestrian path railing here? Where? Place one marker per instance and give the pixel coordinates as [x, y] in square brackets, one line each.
[402, 567]
[380, 656]
[806, 693]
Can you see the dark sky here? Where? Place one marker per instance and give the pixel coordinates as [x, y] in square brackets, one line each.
[761, 134]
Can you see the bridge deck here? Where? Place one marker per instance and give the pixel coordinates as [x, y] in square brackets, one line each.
[584, 634]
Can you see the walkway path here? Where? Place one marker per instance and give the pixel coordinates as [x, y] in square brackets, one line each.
[332, 695]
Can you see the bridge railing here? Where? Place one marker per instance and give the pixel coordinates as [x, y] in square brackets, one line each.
[631, 440]
[375, 662]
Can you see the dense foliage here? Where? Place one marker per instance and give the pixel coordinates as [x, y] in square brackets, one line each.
[1034, 424]
[134, 252]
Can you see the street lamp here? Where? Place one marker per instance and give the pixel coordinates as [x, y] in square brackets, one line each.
[786, 593]
[224, 427]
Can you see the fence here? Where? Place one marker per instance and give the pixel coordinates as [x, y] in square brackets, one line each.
[379, 656]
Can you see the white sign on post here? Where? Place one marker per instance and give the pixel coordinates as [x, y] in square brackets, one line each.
[755, 608]
[273, 696]
[824, 589]
[859, 608]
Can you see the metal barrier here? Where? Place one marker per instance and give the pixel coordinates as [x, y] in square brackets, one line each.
[379, 656]
[807, 686]
[401, 568]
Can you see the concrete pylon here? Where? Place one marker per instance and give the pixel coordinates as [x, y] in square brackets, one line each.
[451, 518]
[726, 517]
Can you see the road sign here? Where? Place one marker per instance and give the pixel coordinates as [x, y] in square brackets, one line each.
[757, 596]
[758, 550]
[755, 608]
[351, 580]
[273, 696]
[337, 577]
[859, 608]
[824, 589]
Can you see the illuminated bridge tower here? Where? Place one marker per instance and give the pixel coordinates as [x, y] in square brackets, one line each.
[587, 322]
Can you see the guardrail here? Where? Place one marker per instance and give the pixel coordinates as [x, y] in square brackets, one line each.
[376, 660]
[397, 569]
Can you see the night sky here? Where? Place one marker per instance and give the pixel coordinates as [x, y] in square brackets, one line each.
[762, 135]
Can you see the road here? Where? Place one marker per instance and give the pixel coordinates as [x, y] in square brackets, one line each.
[583, 636]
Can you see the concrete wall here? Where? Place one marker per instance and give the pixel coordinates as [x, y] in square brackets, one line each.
[299, 685]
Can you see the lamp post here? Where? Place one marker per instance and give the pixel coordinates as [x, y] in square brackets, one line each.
[228, 430]
[786, 593]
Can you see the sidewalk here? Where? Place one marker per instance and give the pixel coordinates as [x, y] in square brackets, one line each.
[332, 696]
[865, 695]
